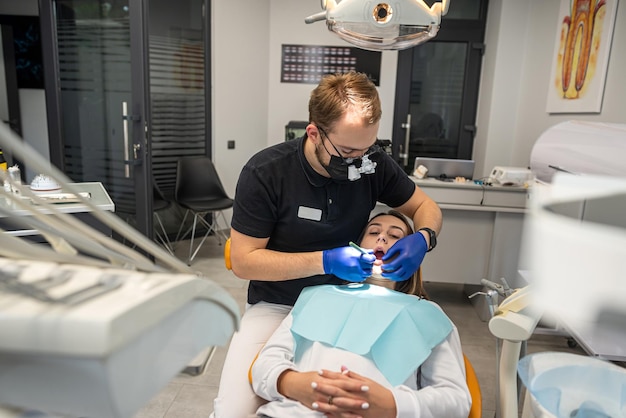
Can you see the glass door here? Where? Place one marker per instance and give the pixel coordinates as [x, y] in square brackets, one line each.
[118, 63]
[99, 123]
[437, 89]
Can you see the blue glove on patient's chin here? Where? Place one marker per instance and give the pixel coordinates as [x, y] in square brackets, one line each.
[348, 263]
[404, 257]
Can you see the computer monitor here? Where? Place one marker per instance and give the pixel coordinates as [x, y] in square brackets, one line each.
[446, 168]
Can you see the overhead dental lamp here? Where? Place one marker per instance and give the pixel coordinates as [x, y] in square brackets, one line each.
[385, 25]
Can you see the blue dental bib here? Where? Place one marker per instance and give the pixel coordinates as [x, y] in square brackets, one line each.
[395, 330]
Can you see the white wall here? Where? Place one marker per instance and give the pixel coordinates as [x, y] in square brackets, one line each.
[499, 94]
[240, 45]
[34, 123]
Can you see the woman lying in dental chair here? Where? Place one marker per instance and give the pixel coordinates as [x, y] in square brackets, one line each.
[378, 349]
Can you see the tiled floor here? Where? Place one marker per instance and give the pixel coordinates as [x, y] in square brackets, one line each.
[192, 396]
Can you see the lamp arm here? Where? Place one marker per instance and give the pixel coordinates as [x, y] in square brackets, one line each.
[315, 17]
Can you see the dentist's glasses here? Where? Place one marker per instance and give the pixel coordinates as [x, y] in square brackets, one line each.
[349, 160]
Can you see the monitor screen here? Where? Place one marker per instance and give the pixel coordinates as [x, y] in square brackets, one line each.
[445, 168]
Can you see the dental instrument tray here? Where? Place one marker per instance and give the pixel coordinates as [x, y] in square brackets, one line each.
[101, 342]
[61, 197]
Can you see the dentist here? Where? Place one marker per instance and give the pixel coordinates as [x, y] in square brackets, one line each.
[297, 199]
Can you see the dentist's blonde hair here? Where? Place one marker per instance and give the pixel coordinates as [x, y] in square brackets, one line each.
[337, 94]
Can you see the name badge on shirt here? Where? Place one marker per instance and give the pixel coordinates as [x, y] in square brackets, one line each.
[309, 213]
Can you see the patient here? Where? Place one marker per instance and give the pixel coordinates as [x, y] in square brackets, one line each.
[378, 349]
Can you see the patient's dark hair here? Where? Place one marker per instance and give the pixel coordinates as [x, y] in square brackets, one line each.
[413, 285]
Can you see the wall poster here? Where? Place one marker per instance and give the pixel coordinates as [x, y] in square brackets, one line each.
[308, 63]
[581, 56]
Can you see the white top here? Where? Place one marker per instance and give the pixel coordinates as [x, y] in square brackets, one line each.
[440, 392]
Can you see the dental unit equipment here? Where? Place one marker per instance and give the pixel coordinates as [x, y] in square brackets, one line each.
[388, 25]
[89, 326]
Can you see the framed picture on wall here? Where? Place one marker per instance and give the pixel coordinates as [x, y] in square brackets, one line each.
[581, 56]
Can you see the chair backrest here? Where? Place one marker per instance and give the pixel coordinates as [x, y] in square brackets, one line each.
[476, 410]
[229, 266]
[196, 177]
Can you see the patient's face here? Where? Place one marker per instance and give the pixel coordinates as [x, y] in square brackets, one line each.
[381, 233]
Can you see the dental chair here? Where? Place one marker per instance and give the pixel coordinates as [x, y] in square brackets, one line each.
[470, 374]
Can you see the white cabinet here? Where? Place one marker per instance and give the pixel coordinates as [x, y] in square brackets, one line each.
[481, 234]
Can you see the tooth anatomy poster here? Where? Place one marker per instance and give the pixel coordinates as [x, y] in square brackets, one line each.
[581, 56]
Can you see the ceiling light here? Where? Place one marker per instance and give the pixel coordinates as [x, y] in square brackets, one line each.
[389, 25]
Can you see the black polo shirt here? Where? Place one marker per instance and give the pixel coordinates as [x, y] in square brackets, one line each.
[280, 196]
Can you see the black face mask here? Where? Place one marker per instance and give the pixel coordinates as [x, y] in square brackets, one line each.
[337, 168]
[344, 169]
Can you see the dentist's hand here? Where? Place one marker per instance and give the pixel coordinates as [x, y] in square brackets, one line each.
[348, 263]
[404, 257]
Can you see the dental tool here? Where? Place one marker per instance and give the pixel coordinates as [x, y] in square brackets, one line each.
[356, 247]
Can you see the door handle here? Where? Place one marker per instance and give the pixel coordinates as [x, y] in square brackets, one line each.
[471, 129]
[136, 147]
[407, 137]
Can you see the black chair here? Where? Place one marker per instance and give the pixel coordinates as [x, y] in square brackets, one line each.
[200, 191]
[159, 204]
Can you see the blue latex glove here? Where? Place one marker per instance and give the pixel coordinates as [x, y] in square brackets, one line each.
[404, 257]
[348, 263]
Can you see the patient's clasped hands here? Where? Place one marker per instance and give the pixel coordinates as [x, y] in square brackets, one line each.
[344, 394]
